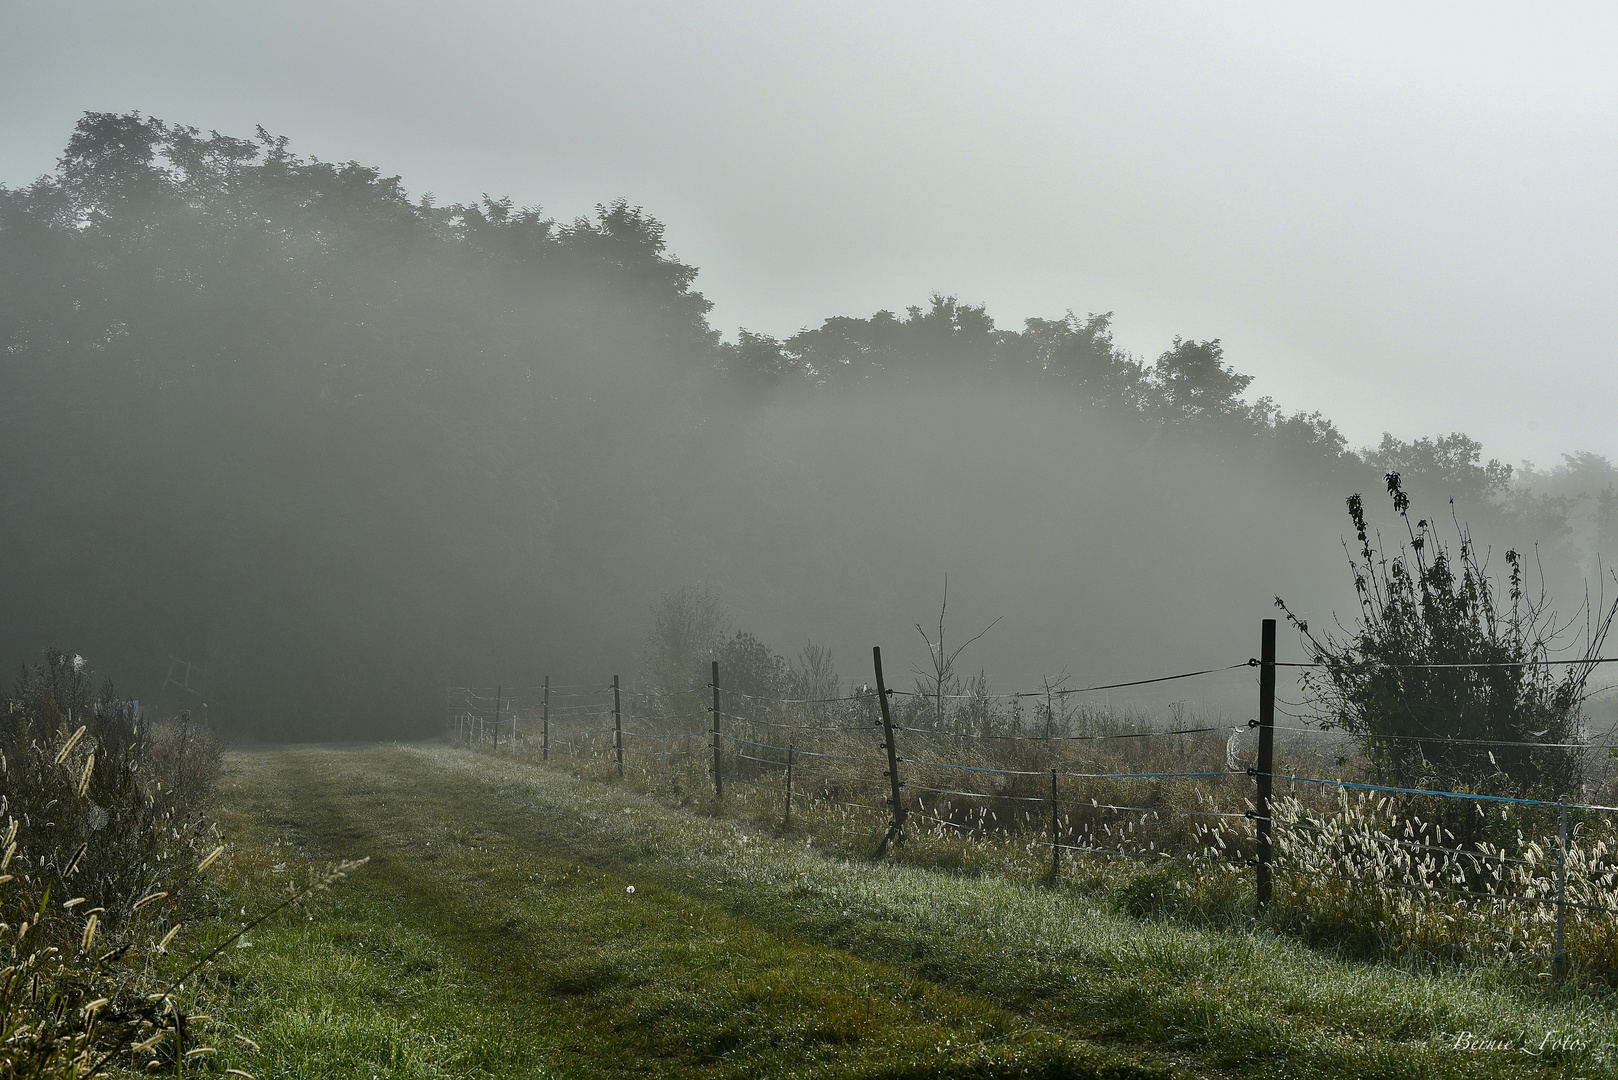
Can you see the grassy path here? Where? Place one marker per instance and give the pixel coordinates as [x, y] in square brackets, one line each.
[495, 934]
[472, 946]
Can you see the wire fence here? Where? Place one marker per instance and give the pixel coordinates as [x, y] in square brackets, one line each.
[1083, 784]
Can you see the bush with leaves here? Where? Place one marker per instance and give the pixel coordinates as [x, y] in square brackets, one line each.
[89, 787]
[101, 860]
[1443, 685]
[186, 758]
[689, 633]
[688, 627]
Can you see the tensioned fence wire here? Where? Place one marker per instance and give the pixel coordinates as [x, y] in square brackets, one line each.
[913, 786]
[1354, 785]
[803, 752]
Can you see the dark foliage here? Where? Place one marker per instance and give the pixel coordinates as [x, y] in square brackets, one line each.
[750, 670]
[266, 409]
[1445, 686]
[94, 796]
[101, 851]
[270, 415]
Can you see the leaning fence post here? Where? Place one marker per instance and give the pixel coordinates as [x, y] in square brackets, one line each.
[895, 833]
[1266, 758]
[545, 733]
[617, 728]
[718, 778]
[1560, 962]
[1056, 852]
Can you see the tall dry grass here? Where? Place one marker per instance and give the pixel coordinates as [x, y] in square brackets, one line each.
[103, 848]
[1363, 873]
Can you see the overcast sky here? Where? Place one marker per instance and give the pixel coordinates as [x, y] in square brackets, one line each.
[1401, 215]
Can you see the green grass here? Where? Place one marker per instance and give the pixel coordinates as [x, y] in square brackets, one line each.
[493, 935]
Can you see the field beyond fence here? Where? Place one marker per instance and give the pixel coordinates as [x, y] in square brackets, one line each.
[1212, 821]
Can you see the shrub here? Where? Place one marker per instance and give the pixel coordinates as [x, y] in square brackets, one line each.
[101, 835]
[186, 758]
[77, 999]
[1437, 668]
[79, 774]
[98, 857]
[688, 627]
[1150, 893]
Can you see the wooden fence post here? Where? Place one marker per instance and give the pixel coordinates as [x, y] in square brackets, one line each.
[1559, 964]
[545, 734]
[499, 692]
[786, 818]
[617, 728]
[718, 778]
[895, 833]
[1266, 758]
[1056, 852]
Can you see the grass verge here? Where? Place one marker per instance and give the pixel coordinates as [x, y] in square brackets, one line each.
[494, 934]
[459, 952]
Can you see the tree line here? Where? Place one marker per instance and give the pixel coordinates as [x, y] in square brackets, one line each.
[336, 444]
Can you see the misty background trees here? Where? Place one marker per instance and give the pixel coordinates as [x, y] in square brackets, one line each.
[272, 416]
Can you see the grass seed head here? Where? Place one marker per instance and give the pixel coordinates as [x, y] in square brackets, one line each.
[70, 744]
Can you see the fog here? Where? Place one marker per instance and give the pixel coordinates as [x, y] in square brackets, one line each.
[1388, 212]
[338, 446]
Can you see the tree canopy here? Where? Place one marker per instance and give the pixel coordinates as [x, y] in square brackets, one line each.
[272, 415]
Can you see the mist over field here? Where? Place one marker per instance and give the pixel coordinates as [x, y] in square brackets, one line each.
[338, 446]
[457, 465]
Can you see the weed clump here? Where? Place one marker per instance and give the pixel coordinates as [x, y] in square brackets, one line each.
[1199, 894]
[103, 845]
[93, 788]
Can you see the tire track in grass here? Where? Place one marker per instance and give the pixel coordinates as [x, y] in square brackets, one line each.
[548, 966]
[1221, 1002]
